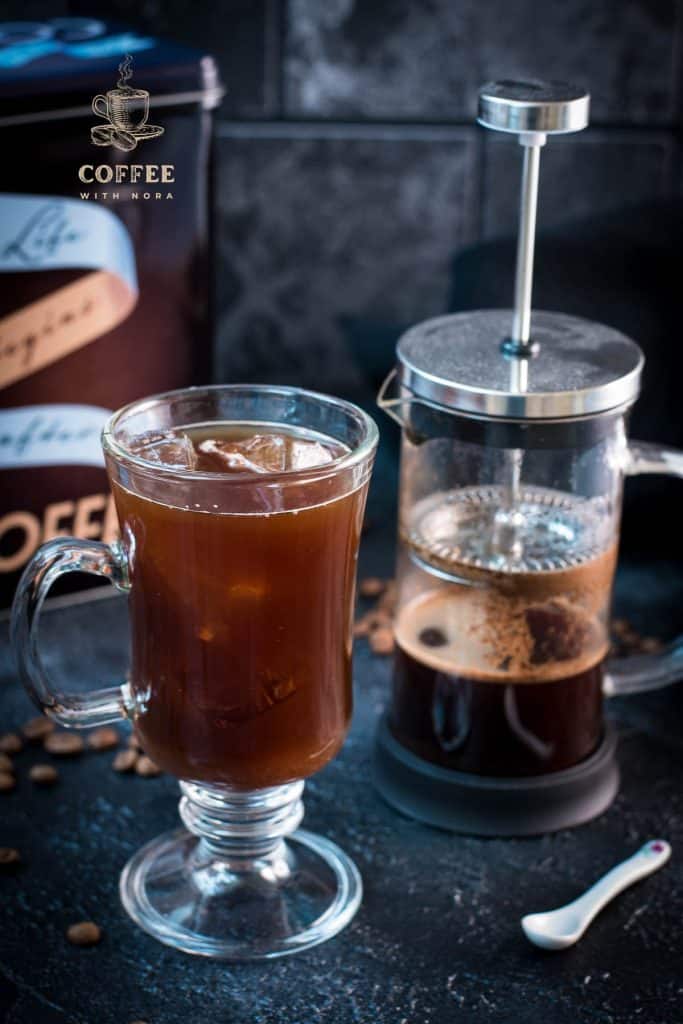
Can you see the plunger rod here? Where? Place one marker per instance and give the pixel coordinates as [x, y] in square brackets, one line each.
[521, 321]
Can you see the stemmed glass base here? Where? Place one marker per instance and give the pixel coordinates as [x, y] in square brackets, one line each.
[233, 887]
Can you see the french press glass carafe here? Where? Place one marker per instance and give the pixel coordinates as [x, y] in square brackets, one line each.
[513, 456]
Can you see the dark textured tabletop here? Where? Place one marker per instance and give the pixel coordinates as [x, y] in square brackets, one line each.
[437, 938]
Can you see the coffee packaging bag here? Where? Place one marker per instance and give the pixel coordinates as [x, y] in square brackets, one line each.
[104, 258]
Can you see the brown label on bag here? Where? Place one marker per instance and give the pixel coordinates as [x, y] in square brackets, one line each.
[61, 323]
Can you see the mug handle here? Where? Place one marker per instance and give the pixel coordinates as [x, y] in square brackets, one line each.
[98, 103]
[54, 559]
[641, 672]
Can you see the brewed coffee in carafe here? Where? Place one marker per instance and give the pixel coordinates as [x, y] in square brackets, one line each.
[502, 636]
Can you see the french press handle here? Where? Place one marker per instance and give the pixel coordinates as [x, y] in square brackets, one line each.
[640, 672]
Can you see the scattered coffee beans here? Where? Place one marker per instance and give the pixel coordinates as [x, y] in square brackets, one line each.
[376, 624]
[627, 640]
[389, 599]
[371, 587]
[103, 739]
[146, 766]
[84, 933]
[361, 627]
[37, 728]
[10, 743]
[9, 858]
[43, 774]
[125, 760]
[6, 764]
[7, 782]
[376, 619]
[382, 640]
[64, 744]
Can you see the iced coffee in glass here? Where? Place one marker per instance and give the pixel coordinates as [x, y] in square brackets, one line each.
[240, 510]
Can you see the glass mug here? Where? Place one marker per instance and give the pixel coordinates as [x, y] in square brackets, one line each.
[241, 591]
[502, 626]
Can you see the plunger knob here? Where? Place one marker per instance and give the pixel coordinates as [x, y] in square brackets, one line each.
[530, 110]
[552, 108]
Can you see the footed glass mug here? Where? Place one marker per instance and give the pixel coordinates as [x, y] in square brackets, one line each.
[240, 578]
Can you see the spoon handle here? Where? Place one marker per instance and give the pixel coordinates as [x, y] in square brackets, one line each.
[649, 858]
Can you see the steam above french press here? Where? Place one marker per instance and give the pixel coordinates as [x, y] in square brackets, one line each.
[512, 463]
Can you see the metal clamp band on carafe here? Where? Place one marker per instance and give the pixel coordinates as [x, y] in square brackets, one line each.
[514, 453]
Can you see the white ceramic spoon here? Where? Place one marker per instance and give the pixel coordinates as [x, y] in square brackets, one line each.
[558, 929]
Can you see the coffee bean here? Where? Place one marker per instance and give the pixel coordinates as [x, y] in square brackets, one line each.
[7, 782]
[361, 627]
[43, 774]
[6, 763]
[620, 627]
[432, 636]
[389, 598]
[37, 728]
[125, 760]
[382, 640]
[9, 856]
[64, 744]
[146, 766]
[84, 933]
[371, 587]
[378, 619]
[10, 743]
[103, 739]
[371, 621]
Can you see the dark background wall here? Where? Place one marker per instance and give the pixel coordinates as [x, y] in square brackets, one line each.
[350, 170]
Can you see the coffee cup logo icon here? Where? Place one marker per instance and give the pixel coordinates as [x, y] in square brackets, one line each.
[125, 111]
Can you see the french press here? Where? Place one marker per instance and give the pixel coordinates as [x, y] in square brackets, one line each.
[513, 457]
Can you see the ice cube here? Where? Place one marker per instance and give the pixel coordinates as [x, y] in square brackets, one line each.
[171, 449]
[268, 451]
[307, 454]
[262, 453]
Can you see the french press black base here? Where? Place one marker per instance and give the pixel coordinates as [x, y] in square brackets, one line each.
[480, 805]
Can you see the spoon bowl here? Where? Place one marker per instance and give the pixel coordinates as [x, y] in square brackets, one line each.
[555, 929]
